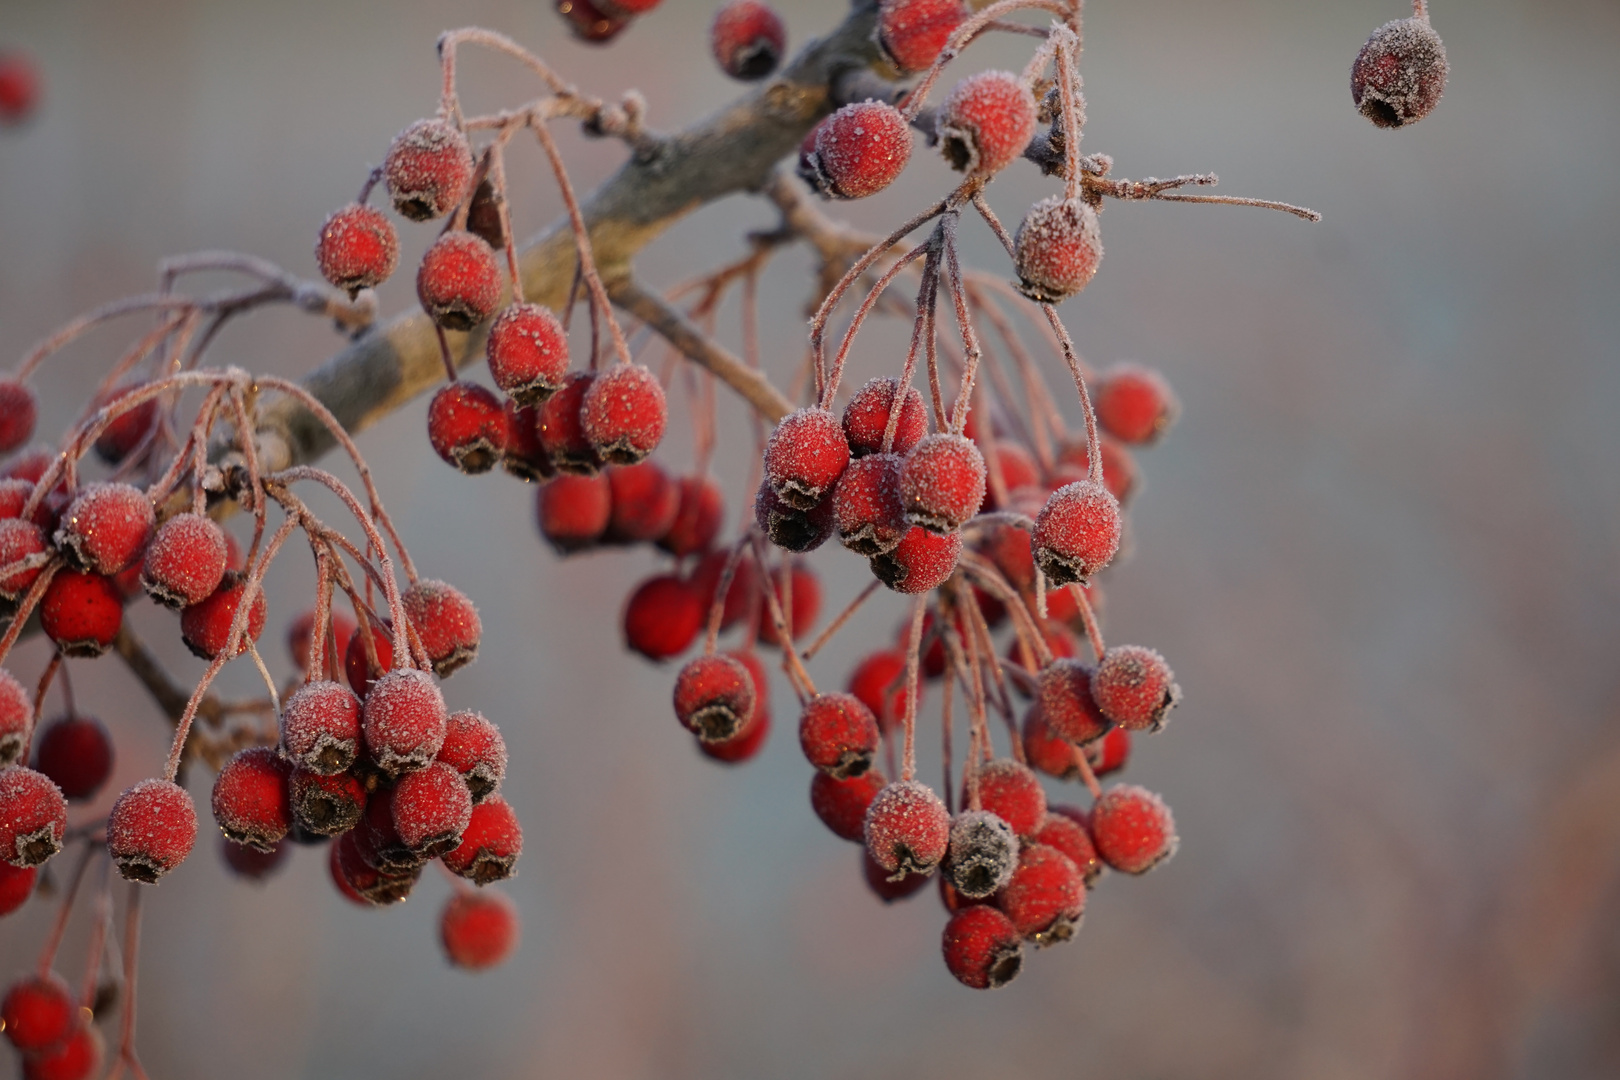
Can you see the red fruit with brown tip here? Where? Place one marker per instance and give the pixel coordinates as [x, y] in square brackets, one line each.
[19, 87]
[1046, 897]
[1110, 753]
[525, 456]
[573, 511]
[838, 734]
[663, 617]
[33, 817]
[886, 887]
[867, 511]
[562, 429]
[250, 800]
[467, 426]
[151, 830]
[805, 457]
[744, 745]
[404, 721]
[1012, 792]
[298, 639]
[473, 746]
[19, 412]
[866, 418]
[645, 502]
[842, 804]
[447, 623]
[428, 170]
[378, 840]
[1064, 698]
[921, 561]
[802, 605]
[789, 528]
[20, 540]
[859, 150]
[326, 805]
[1134, 687]
[912, 33]
[1065, 829]
[747, 39]
[185, 562]
[490, 845]
[364, 883]
[907, 828]
[478, 930]
[1077, 532]
[360, 668]
[1133, 829]
[985, 122]
[879, 681]
[714, 697]
[16, 718]
[589, 22]
[942, 483]
[77, 754]
[129, 428]
[623, 414]
[982, 855]
[358, 248]
[320, 727]
[38, 1011]
[106, 528]
[1134, 403]
[205, 627]
[431, 808]
[81, 612]
[528, 353]
[700, 508]
[982, 948]
[1057, 249]
[1399, 75]
[459, 281]
[16, 886]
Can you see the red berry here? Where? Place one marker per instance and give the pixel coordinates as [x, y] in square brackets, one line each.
[986, 122]
[942, 483]
[459, 281]
[1019, 472]
[467, 426]
[525, 456]
[19, 409]
[428, 170]
[106, 529]
[19, 87]
[127, 430]
[805, 457]
[478, 930]
[14, 496]
[700, 508]
[866, 418]
[1057, 249]
[378, 841]
[205, 627]
[363, 883]
[747, 39]
[16, 886]
[16, 718]
[789, 528]
[1046, 897]
[663, 617]
[645, 501]
[983, 852]
[251, 863]
[1400, 73]
[1013, 793]
[359, 668]
[1133, 829]
[803, 605]
[629, 8]
[474, 748]
[1134, 687]
[447, 623]
[740, 598]
[1064, 645]
[1134, 404]
[1118, 467]
[490, 845]
[562, 428]
[81, 612]
[886, 887]
[325, 805]
[1077, 532]
[528, 353]
[185, 561]
[431, 809]
[982, 948]
[77, 754]
[404, 721]
[30, 465]
[78, 1057]
[574, 511]
[838, 734]
[714, 697]
[589, 22]
[1064, 698]
[358, 248]
[920, 562]
[484, 215]
[39, 1011]
[623, 413]
[879, 681]
[1045, 749]
[912, 33]
[20, 540]
[859, 150]
[842, 804]
[1110, 753]
[1065, 830]
[907, 828]
[747, 742]
[33, 816]
[151, 829]
[298, 640]
[250, 799]
[867, 511]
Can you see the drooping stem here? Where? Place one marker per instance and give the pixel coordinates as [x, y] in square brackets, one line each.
[908, 769]
[47, 956]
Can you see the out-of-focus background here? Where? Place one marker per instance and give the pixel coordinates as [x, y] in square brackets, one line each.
[1380, 550]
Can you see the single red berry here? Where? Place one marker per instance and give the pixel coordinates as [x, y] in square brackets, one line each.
[921, 561]
[842, 804]
[886, 887]
[325, 805]
[859, 151]
[1110, 753]
[106, 528]
[1063, 644]
[714, 697]
[77, 754]
[459, 281]
[473, 746]
[16, 886]
[363, 883]
[360, 668]
[802, 604]
[358, 248]
[431, 809]
[700, 510]
[1045, 749]
[1399, 75]
[428, 170]
[1064, 698]
[484, 215]
[250, 799]
[907, 828]
[467, 426]
[574, 511]
[251, 863]
[39, 1011]
[1057, 249]
[1118, 467]
[1133, 829]
[982, 948]
[33, 816]
[867, 511]
[525, 456]
[623, 413]
[1065, 829]
[1134, 403]
[478, 930]
[19, 411]
[1012, 792]
[942, 483]
[788, 527]
[866, 418]
[747, 39]
[805, 457]
[528, 353]
[14, 496]
[1046, 897]
[663, 617]
[746, 743]
[298, 640]
[185, 562]
[986, 122]
[78, 1057]
[151, 829]
[912, 33]
[1134, 687]
[740, 598]
[16, 718]
[879, 681]
[982, 855]
[1017, 468]
[19, 87]
[377, 837]
[838, 734]
[645, 502]
[589, 22]
[490, 845]
[446, 621]
[81, 612]
[205, 627]
[20, 540]
[130, 428]
[404, 721]
[1077, 532]
[562, 427]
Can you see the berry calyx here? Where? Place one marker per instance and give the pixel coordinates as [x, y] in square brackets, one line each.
[747, 39]
[982, 948]
[645, 502]
[942, 482]
[866, 418]
[907, 829]
[428, 170]
[1133, 829]
[889, 889]
[700, 507]
[326, 805]
[467, 426]
[473, 746]
[363, 883]
[1057, 249]
[81, 612]
[805, 457]
[921, 561]
[151, 830]
[1134, 404]
[562, 430]
[39, 1011]
[859, 150]
[527, 352]
[1013, 792]
[1045, 897]
[838, 734]
[912, 33]
[866, 507]
[788, 527]
[459, 282]
[714, 697]
[490, 844]
[19, 411]
[446, 621]
[1134, 687]
[623, 414]
[205, 627]
[985, 122]
[1063, 696]
[1076, 533]
[525, 456]
[573, 511]
[982, 854]
[77, 754]
[404, 721]
[478, 930]
[358, 248]
[1399, 75]
[250, 800]
[663, 617]
[842, 804]
[431, 808]
[185, 561]
[33, 817]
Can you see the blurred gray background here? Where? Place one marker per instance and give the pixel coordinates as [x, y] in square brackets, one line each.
[1380, 550]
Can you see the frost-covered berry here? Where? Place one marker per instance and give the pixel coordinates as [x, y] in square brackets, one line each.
[38, 1012]
[920, 562]
[879, 681]
[428, 170]
[1399, 74]
[459, 281]
[789, 528]
[150, 830]
[982, 948]
[1057, 249]
[19, 411]
[663, 617]
[942, 482]
[838, 734]
[525, 456]
[205, 627]
[326, 805]
[250, 801]
[106, 528]
[363, 883]
[714, 697]
[185, 561]
[859, 150]
[573, 511]
[907, 828]
[358, 248]
[866, 418]
[431, 808]
[77, 754]
[912, 33]
[1013, 792]
[490, 845]
[744, 745]
[473, 746]
[1064, 698]
[378, 840]
[19, 541]
[1110, 753]
[528, 353]
[81, 612]
[1065, 830]
[1134, 403]
[645, 502]
[33, 816]
[446, 621]
[16, 718]
[985, 122]
[805, 457]
[699, 513]
[478, 930]
[1077, 532]
[467, 426]
[1133, 829]
[623, 414]
[842, 804]
[866, 507]
[747, 39]
[983, 852]
[1118, 467]
[1134, 687]
[562, 429]
[1046, 897]
[404, 721]
[362, 668]
[1046, 750]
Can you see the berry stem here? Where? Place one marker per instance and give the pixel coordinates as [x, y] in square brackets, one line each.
[25, 606]
[837, 624]
[784, 633]
[1087, 775]
[829, 387]
[947, 688]
[503, 207]
[1068, 48]
[965, 34]
[1089, 617]
[47, 956]
[99, 930]
[132, 947]
[987, 649]
[722, 589]
[1420, 9]
[913, 667]
[964, 323]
